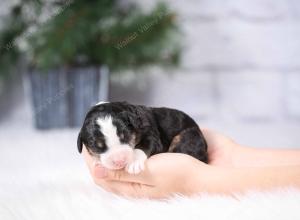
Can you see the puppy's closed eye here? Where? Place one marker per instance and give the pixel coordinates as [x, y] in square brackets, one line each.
[97, 147]
[122, 136]
[99, 144]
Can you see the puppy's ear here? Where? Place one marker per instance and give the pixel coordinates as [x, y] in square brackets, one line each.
[139, 120]
[79, 143]
[134, 121]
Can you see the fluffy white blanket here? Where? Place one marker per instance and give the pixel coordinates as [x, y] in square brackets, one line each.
[69, 197]
[42, 177]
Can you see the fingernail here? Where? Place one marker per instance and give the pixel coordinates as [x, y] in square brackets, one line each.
[100, 171]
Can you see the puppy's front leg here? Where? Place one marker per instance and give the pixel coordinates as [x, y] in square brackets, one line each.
[148, 146]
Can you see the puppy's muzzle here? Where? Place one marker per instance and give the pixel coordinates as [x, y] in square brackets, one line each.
[117, 158]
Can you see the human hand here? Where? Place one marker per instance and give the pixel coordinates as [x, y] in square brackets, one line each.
[222, 150]
[169, 173]
[165, 174]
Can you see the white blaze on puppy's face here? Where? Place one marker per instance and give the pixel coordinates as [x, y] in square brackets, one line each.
[109, 131]
[119, 155]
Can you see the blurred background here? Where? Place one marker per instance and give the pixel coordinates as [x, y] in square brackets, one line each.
[232, 65]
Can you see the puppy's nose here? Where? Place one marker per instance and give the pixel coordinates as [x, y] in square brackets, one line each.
[119, 161]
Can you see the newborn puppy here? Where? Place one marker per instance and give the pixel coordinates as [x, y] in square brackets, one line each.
[122, 135]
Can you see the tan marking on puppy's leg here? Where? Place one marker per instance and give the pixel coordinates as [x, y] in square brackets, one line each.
[174, 143]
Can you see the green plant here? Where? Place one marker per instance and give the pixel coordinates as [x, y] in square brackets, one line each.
[13, 28]
[98, 32]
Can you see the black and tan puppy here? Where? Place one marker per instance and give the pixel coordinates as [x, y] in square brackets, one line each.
[122, 135]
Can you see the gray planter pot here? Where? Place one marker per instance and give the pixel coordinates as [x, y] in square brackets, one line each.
[61, 97]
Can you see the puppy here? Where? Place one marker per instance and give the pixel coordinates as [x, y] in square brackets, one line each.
[121, 135]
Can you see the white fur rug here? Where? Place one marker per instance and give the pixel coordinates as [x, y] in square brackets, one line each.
[43, 177]
[47, 185]
[69, 198]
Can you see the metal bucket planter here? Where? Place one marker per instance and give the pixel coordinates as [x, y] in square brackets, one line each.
[61, 97]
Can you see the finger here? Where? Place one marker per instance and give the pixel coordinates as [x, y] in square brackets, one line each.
[143, 177]
[86, 155]
[88, 159]
[130, 189]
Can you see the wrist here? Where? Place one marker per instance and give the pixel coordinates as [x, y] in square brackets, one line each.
[217, 180]
[233, 180]
[241, 156]
[203, 179]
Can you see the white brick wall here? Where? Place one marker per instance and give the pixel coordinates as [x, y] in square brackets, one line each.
[240, 70]
[250, 95]
[240, 61]
[191, 92]
[292, 94]
[260, 9]
[235, 43]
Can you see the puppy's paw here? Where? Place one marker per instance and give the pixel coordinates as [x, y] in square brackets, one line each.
[135, 167]
[138, 163]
